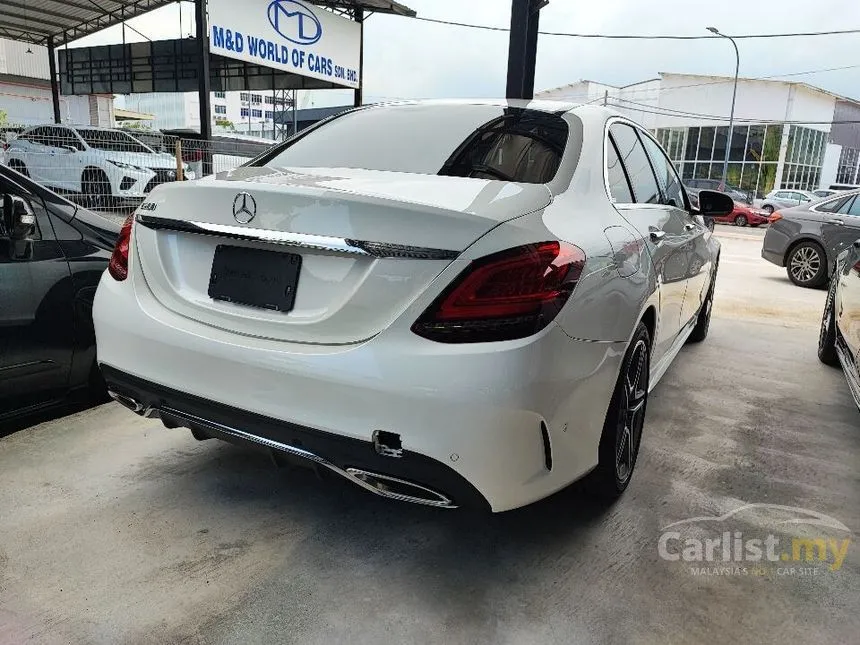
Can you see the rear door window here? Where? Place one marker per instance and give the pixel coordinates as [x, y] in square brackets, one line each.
[619, 187]
[635, 160]
[851, 207]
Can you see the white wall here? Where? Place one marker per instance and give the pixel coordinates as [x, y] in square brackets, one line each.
[830, 167]
[169, 108]
[756, 100]
[31, 105]
[15, 60]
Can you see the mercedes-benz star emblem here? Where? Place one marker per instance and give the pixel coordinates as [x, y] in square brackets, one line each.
[244, 208]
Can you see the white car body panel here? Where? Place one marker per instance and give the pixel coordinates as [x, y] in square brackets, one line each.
[517, 419]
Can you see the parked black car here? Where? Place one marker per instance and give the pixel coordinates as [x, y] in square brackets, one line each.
[52, 255]
[806, 239]
[839, 339]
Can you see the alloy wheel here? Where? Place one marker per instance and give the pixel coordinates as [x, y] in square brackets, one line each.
[805, 264]
[632, 412]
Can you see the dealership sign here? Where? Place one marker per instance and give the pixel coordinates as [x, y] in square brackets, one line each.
[289, 35]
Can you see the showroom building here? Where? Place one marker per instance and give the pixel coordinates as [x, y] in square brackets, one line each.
[786, 134]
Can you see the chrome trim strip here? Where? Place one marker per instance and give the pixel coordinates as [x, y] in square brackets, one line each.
[350, 474]
[301, 240]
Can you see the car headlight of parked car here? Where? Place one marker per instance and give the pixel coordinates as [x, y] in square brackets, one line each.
[126, 166]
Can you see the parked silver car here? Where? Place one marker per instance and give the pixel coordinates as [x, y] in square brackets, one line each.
[806, 239]
[778, 199]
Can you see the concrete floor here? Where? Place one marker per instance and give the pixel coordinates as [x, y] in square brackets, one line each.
[115, 530]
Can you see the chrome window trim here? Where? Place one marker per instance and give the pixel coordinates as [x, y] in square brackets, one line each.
[618, 119]
[301, 240]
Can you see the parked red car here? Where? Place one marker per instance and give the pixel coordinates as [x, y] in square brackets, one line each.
[744, 215]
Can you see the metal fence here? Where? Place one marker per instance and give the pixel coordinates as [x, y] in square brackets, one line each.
[114, 170]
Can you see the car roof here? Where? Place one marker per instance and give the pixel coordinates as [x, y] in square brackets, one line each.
[542, 105]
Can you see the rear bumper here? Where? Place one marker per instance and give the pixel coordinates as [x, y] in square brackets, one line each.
[775, 244]
[774, 257]
[428, 481]
[477, 410]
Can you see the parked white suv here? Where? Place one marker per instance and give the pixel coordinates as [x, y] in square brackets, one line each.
[100, 164]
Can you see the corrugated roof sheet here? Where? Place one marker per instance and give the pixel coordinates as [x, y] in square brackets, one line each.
[34, 21]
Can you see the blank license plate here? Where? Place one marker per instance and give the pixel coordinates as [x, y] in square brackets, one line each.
[265, 279]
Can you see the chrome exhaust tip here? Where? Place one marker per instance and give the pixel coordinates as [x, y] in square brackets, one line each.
[127, 402]
[133, 404]
[399, 489]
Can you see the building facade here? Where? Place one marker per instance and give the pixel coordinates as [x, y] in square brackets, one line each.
[785, 135]
[25, 91]
[244, 112]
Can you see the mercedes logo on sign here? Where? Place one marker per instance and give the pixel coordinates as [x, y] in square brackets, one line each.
[244, 208]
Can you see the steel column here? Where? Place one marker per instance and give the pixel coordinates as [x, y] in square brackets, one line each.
[522, 48]
[55, 82]
[204, 83]
[359, 91]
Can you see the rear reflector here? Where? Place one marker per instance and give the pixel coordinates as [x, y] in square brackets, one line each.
[118, 265]
[507, 295]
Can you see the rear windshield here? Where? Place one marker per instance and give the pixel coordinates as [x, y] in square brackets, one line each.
[112, 141]
[485, 141]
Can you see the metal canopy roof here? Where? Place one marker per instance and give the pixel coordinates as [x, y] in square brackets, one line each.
[370, 6]
[34, 21]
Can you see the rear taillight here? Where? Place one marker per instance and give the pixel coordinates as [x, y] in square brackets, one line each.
[118, 266]
[773, 217]
[507, 295]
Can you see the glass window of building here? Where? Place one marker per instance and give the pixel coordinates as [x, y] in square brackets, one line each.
[803, 158]
[849, 169]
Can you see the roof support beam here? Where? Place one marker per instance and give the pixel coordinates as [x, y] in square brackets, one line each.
[6, 15]
[22, 29]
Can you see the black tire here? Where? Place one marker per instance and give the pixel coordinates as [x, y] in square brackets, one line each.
[703, 322]
[827, 334]
[622, 430]
[741, 220]
[767, 208]
[806, 265]
[19, 166]
[96, 189]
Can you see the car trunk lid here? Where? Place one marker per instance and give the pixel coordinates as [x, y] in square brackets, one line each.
[366, 244]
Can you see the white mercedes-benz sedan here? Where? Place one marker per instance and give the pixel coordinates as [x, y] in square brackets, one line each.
[448, 303]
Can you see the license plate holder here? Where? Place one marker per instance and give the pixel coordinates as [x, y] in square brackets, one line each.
[255, 277]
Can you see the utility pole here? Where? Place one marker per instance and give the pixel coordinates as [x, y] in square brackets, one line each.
[714, 30]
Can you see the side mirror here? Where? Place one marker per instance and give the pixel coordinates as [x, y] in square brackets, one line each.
[70, 149]
[714, 204]
[19, 221]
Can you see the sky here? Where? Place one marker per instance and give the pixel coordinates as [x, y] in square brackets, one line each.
[405, 58]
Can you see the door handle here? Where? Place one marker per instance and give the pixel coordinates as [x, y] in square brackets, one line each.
[689, 227]
[838, 222]
[658, 236]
